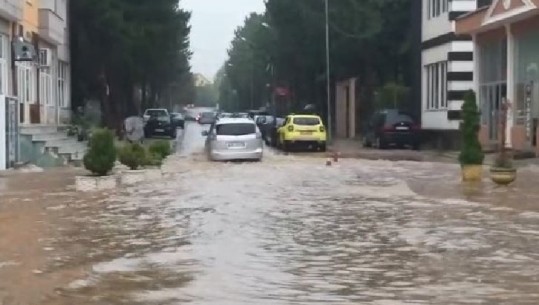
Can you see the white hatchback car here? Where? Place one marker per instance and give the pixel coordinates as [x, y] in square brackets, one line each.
[234, 139]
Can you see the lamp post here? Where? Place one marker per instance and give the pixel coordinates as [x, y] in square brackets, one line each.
[328, 81]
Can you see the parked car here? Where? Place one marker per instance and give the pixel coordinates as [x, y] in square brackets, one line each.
[302, 130]
[224, 115]
[160, 124]
[206, 118]
[157, 112]
[178, 119]
[392, 127]
[234, 139]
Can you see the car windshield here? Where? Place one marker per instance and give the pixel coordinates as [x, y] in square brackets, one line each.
[156, 112]
[306, 121]
[394, 117]
[235, 129]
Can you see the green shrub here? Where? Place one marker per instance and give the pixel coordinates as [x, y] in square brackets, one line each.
[101, 153]
[161, 148]
[153, 160]
[132, 156]
[471, 152]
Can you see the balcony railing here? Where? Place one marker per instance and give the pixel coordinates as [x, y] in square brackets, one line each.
[51, 27]
[11, 9]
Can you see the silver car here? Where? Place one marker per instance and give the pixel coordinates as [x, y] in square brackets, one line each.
[234, 139]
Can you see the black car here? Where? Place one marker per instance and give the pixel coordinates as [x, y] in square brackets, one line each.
[161, 125]
[178, 119]
[392, 127]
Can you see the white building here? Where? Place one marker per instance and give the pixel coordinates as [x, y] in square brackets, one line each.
[447, 67]
[54, 62]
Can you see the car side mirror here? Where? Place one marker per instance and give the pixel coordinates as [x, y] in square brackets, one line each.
[205, 133]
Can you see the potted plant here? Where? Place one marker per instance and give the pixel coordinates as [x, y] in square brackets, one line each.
[99, 160]
[503, 172]
[471, 155]
[133, 156]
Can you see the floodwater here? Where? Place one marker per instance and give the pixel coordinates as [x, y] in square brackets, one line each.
[288, 230]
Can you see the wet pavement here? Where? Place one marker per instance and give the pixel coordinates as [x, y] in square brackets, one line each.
[287, 230]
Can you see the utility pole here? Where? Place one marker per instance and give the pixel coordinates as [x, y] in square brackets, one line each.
[328, 81]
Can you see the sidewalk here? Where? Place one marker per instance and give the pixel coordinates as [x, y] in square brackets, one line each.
[353, 148]
[24, 184]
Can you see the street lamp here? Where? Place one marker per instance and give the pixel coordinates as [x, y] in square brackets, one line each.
[328, 82]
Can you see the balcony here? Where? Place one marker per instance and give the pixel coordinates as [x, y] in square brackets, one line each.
[51, 27]
[11, 9]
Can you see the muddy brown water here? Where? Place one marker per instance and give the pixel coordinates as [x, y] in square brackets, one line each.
[288, 230]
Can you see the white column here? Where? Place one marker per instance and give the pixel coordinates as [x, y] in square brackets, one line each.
[510, 83]
[477, 70]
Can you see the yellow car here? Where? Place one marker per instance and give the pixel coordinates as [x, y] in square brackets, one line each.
[304, 130]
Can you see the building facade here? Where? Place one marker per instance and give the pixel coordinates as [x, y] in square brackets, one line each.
[447, 68]
[506, 42]
[42, 86]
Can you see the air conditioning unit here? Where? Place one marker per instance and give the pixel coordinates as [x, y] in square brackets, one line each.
[45, 57]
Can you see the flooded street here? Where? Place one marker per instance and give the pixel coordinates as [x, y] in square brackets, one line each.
[288, 230]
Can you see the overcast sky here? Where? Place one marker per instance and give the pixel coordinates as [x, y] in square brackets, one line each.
[212, 28]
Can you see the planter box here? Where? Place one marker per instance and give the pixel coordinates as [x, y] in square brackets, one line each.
[94, 183]
[153, 174]
[131, 177]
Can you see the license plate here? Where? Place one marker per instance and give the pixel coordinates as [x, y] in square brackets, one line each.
[159, 130]
[306, 132]
[236, 145]
[402, 128]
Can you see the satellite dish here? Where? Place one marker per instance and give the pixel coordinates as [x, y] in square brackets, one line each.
[134, 128]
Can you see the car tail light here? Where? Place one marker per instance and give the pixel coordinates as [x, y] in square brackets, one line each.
[388, 127]
[291, 128]
[322, 129]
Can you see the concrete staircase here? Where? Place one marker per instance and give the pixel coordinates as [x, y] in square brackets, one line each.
[49, 146]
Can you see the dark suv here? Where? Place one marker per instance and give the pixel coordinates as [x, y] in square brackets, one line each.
[392, 127]
[160, 124]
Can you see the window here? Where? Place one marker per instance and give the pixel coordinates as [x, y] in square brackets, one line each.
[45, 87]
[436, 79]
[436, 7]
[306, 121]
[62, 74]
[236, 129]
[4, 51]
[26, 82]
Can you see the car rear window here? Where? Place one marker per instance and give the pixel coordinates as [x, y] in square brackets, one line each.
[207, 114]
[156, 113]
[235, 129]
[306, 121]
[393, 118]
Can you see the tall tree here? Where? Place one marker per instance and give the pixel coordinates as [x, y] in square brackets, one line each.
[121, 48]
[368, 40]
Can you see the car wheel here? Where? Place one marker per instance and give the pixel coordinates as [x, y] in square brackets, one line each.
[173, 135]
